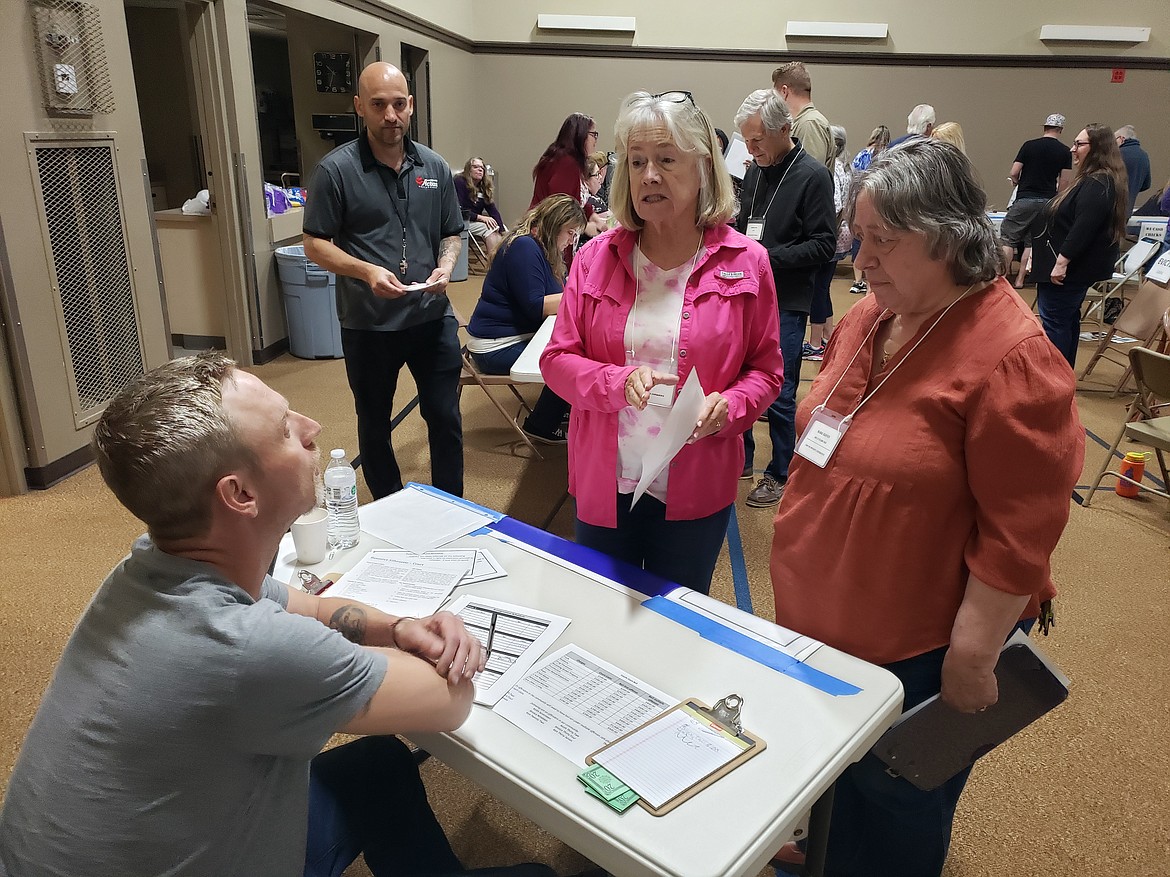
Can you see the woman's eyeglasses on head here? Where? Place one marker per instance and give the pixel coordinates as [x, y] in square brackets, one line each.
[674, 97]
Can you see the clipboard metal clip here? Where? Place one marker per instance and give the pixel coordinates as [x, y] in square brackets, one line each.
[727, 711]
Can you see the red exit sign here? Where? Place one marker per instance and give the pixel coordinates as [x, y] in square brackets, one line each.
[1118, 75]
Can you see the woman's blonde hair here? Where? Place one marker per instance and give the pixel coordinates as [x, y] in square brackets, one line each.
[692, 132]
[544, 222]
[952, 133]
[486, 188]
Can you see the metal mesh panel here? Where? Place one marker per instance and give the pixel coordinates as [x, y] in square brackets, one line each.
[71, 57]
[91, 270]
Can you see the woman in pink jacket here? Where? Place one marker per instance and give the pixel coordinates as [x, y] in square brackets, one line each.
[673, 290]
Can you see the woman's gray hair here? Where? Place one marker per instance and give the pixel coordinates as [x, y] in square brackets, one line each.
[774, 112]
[838, 140]
[929, 187]
[692, 132]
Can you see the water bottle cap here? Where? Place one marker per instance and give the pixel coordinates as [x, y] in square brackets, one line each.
[1136, 457]
[337, 453]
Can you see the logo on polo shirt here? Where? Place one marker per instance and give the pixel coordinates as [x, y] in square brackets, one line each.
[424, 183]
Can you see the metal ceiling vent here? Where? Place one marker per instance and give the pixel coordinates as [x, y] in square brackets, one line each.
[90, 269]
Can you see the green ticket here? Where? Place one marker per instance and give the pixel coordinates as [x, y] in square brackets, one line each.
[621, 803]
[603, 782]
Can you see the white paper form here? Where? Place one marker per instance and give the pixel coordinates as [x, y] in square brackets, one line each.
[679, 426]
[514, 638]
[737, 157]
[486, 567]
[667, 757]
[791, 643]
[419, 521]
[482, 564]
[575, 703]
[402, 583]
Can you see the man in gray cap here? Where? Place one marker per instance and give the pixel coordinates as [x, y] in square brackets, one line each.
[1041, 166]
[1137, 162]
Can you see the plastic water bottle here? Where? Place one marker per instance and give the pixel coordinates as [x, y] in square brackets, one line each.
[341, 501]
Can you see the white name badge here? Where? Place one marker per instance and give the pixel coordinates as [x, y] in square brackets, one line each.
[755, 229]
[661, 396]
[822, 435]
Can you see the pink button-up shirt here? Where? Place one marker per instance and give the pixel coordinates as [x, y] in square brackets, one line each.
[729, 330]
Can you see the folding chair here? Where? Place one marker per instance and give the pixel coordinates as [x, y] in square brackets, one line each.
[1127, 269]
[473, 376]
[1143, 420]
[477, 254]
[1141, 321]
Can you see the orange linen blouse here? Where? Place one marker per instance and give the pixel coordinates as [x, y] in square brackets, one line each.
[964, 461]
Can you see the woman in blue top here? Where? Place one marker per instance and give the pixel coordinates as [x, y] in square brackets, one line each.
[522, 287]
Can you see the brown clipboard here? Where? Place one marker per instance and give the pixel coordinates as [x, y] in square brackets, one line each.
[753, 748]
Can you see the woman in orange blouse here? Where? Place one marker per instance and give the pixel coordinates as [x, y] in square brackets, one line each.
[924, 536]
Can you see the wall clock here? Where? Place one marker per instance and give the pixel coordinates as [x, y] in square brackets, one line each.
[333, 71]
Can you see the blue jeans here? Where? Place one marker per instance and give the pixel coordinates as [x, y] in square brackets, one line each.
[549, 410]
[678, 551]
[373, 361]
[367, 798]
[822, 302]
[1060, 314]
[782, 412]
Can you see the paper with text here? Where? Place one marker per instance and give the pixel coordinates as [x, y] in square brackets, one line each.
[575, 703]
[737, 157]
[679, 426]
[419, 521]
[668, 756]
[403, 583]
[514, 638]
[486, 567]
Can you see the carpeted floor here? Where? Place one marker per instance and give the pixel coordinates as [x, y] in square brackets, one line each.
[1083, 791]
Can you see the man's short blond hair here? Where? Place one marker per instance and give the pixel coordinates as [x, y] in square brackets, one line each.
[165, 440]
[795, 75]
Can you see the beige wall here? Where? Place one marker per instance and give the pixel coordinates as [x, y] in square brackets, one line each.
[961, 28]
[39, 343]
[857, 97]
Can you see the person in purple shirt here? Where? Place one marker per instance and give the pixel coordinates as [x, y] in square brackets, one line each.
[476, 191]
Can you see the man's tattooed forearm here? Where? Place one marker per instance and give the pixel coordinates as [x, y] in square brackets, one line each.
[350, 621]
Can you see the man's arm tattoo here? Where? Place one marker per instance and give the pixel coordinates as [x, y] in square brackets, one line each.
[449, 250]
[350, 622]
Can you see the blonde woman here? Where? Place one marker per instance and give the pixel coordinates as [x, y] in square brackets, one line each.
[522, 287]
[952, 133]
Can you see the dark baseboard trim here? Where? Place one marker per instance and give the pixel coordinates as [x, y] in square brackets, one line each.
[199, 342]
[269, 353]
[44, 477]
[776, 57]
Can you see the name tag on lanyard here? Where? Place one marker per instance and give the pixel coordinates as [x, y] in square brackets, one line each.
[755, 228]
[822, 435]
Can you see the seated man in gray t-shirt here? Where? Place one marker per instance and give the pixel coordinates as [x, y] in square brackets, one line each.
[195, 692]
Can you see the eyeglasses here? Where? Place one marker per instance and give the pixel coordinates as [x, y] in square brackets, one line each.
[674, 97]
[1077, 144]
[592, 134]
[595, 176]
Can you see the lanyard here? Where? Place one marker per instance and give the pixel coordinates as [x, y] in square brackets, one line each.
[848, 418]
[403, 215]
[776, 191]
[633, 319]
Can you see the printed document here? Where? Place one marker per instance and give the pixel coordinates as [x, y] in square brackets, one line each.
[575, 703]
[403, 583]
[514, 638]
[737, 157]
[679, 426]
[418, 520]
[791, 643]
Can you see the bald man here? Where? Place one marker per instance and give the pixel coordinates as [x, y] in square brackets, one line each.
[383, 216]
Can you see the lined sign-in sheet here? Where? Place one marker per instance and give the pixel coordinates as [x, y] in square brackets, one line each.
[666, 757]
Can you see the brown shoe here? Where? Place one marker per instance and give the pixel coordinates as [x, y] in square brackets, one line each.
[765, 494]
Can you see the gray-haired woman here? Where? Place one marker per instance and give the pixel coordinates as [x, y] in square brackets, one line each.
[961, 451]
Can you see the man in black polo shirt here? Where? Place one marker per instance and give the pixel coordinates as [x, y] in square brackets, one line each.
[382, 215]
[1038, 169]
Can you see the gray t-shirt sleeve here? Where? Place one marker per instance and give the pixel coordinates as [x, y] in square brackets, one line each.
[324, 206]
[277, 592]
[451, 218]
[298, 683]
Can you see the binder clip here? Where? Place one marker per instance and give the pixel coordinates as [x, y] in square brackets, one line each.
[727, 711]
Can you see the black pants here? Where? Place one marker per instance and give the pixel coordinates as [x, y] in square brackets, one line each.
[372, 363]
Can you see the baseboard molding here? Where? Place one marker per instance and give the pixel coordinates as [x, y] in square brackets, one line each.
[199, 342]
[44, 477]
[269, 353]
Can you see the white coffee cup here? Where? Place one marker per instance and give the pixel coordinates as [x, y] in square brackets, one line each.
[310, 534]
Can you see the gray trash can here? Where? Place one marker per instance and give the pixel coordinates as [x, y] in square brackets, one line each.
[309, 305]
